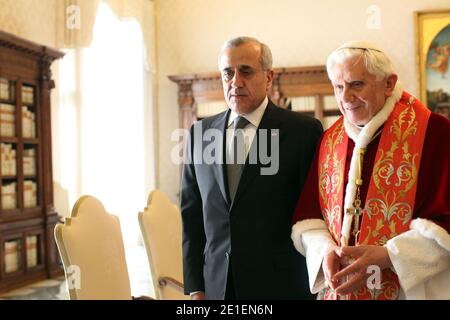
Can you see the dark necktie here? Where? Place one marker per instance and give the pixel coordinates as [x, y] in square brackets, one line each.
[234, 169]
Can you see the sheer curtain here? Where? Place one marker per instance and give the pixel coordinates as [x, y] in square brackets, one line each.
[112, 117]
[103, 120]
[75, 21]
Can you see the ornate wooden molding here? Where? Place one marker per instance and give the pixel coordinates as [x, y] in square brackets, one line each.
[287, 82]
[28, 47]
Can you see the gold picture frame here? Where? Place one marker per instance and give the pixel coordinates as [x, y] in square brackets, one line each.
[433, 51]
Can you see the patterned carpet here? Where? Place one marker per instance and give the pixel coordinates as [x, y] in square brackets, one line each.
[52, 289]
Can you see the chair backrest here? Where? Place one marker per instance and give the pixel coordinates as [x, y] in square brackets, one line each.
[161, 230]
[91, 247]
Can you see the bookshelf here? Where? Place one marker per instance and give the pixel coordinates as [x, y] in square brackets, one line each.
[302, 89]
[28, 251]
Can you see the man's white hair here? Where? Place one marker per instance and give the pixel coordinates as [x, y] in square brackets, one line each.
[375, 60]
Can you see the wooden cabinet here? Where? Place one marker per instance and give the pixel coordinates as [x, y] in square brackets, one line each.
[302, 89]
[27, 217]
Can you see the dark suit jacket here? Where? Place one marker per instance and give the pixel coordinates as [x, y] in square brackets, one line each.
[252, 232]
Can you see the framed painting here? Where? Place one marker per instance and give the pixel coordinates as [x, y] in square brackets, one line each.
[433, 52]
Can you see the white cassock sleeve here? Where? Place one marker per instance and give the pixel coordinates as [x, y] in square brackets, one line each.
[312, 239]
[421, 259]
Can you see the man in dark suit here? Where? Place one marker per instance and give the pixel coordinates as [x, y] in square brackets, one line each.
[236, 216]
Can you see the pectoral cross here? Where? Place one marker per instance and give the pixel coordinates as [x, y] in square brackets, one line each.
[356, 212]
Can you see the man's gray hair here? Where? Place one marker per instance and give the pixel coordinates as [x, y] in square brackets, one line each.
[266, 54]
[375, 60]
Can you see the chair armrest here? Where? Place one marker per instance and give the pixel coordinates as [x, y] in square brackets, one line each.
[168, 281]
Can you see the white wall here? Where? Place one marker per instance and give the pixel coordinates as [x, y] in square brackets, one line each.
[30, 19]
[299, 32]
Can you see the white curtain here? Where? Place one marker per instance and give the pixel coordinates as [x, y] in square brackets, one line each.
[75, 21]
[104, 141]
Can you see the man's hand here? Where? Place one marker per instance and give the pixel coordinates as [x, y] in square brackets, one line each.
[359, 259]
[198, 296]
[330, 266]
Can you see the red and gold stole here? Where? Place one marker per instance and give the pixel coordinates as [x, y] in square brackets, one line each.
[390, 199]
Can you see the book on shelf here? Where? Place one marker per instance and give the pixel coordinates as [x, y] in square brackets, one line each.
[330, 103]
[32, 256]
[303, 104]
[9, 196]
[4, 89]
[29, 194]
[12, 255]
[6, 92]
[7, 120]
[29, 161]
[28, 123]
[8, 159]
[27, 95]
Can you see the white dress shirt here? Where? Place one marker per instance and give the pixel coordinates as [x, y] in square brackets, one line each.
[254, 118]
